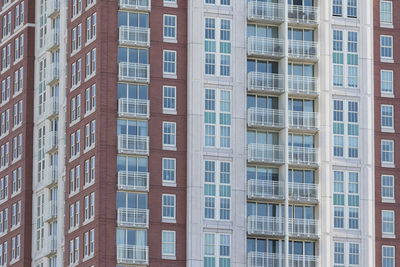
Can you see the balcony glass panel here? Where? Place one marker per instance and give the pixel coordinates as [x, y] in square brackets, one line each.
[302, 11]
[144, 5]
[265, 10]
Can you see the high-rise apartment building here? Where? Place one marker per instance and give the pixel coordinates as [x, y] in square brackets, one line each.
[199, 133]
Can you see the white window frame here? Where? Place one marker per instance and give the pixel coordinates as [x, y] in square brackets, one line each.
[166, 218]
[168, 110]
[213, 250]
[173, 63]
[386, 23]
[388, 185]
[388, 93]
[164, 180]
[173, 136]
[164, 243]
[391, 118]
[174, 27]
[393, 222]
[388, 258]
[387, 163]
[386, 58]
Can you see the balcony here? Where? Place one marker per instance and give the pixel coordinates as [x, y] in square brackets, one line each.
[265, 225]
[135, 36]
[128, 217]
[265, 153]
[303, 260]
[134, 72]
[304, 228]
[266, 12]
[304, 156]
[53, 7]
[264, 189]
[133, 144]
[263, 259]
[265, 47]
[265, 117]
[51, 212]
[51, 245]
[265, 82]
[303, 85]
[304, 15]
[51, 175]
[304, 192]
[142, 5]
[134, 181]
[51, 142]
[303, 50]
[53, 73]
[52, 39]
[50, 108]
[130, 254]
[134, 108]
[303, 120]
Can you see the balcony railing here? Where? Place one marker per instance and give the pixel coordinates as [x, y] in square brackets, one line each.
[51, 245]
[303, 14]
[264, 189]
[51, 175]
[51, 141]
[265, 46]
[265, 225]
[265, 153]
[303, 155]
[53, 7]
[51, 212]
[258, 10]
[303, 49]
[304, 85]
[303, 120]
[133, 144]
[51, 107]
[135, 181]
[144, 5]
[133, 108]
[134, 72]
[137, 36]
[304, 191]
[263, 259]
[265, 117]
[303, 260]
[265, 82]
[303, 227]
[130, 254]
[129, 217]
[53, 73]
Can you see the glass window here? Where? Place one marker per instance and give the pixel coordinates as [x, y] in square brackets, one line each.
[169, 170]
[386, 12]
[170, 27]
[169, 62]
[169, 134]
[337, 8]
[169, 98]
[387, 116]
[387, 222]
[386, 81]
[387, 256]
[387, 187]
[168, 206]
[387, 151]
[386, 47]
[168, 243]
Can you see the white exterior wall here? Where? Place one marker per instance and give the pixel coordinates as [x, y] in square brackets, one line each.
[197, 153]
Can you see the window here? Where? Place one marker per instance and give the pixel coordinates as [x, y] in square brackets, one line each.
[386, 82]
[169, 170]
[90, 170]
[169, 134]
[16, 180]
[217, 249]
[91, 27]
[221, 2]
[74, 179]
[386, 47]
[217, 118]
[387, 187]
[217, 190]
[90, 99]
[75, 108]
[346, 200]
[345, 58]
[170, 27]
[345, 134]
[169, 99]
[172, 3]
[346, 254]
[74, 215]
[387, 147]
[88, 244]
[168, 206]
[168, 243]
[387, 222]
[89, 207]
[387, 256]
[338, 6]
[91, 63]
[76, 8]
[90, 134]
[386, 12]
[169, 62]
[387, 116]
[217, 63]
[75, 143]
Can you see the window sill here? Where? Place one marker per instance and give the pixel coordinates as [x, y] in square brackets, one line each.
[169, 184]
[15, 193]
[16, 159]
[75, 86]
[388, 95]
[169, 111]
[71, 159]
[76, 51]
[170, 76]
[86, 258]
[168, 257]
[388, 165]
[76, 16]
[90, 6]
[170, 40]
[88, 185]
[18, 60]
[90, 76]
[4, 102]
[4, 134]
[168, 220]
[75, 121]
[386, 25]
[14, 227]
[388, 200]
[89, 148]
[88, 113]
[387, 130]
[391, 236]
[387, 60]
[15, 127]
[171, 148]
[88, 42]
[14, 261]
[88, 221]
[17, 93]
[73, 193]
[73, 229]
[174, 5]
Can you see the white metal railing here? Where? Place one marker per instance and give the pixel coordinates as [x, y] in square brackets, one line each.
[51, 212]
[302, 119]
[265, 46]
[303, 84]
[134, 72]
[53, 72]
[258, 10]
[265, 153]
[135, 108]
[263, 259]
[51, 141]
[130, 35]
[303, 227]
[51, 107]
[265, 225]
[130, 217]
[144, 5]
[265, 189]
[53, 6]
[303, 14]
[131, 254]
[304, 191]
[303, 260]
[303, 49]
[265, 117]
[303, 155]
[51, 175]
[132, 180]
[133, 144]
[262, 81]
[51, 245]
